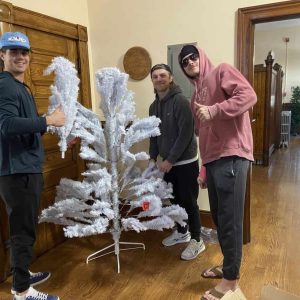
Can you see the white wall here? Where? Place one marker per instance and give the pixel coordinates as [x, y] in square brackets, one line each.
[117, 25]
[67, 10]
[272, 39]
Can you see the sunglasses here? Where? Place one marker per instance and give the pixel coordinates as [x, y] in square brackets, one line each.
[192, 57]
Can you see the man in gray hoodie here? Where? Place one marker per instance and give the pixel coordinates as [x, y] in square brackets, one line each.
[177, 148]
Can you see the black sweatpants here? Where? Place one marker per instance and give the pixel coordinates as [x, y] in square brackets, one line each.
[21, 194]
[185, 192]
[226, 183]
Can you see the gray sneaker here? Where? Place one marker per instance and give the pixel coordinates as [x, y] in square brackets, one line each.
[176, 238]
[193, 249]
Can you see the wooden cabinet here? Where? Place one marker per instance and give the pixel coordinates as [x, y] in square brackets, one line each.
[266, 113]
[49, 37]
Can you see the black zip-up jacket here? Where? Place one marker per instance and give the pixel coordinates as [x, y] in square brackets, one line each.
[177, 141]
[21, 148]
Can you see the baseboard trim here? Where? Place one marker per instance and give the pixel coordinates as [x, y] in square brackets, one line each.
[206, 219]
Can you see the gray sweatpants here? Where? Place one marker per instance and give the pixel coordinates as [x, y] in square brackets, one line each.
[226, 183]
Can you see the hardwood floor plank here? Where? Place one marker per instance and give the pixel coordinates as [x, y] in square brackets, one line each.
[273, 256]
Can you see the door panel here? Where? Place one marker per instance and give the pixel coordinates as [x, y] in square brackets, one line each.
[45, 46]
[259, 85]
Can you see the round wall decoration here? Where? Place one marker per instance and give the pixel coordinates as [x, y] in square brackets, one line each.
[137, 63]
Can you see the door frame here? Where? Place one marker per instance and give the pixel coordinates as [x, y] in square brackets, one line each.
[247, 18]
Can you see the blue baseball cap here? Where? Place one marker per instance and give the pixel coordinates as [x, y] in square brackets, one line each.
[13, 40]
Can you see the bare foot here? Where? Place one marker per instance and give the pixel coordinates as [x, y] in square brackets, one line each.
[213, 272]
[220, 290]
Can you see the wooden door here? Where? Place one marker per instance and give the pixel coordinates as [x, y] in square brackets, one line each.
[272, 113]
[278, 103]
[259, 85]
[264, 84]
[49, 37]
[46, 46]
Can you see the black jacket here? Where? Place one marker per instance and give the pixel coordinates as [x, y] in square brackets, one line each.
[177, 141]
[21, 148]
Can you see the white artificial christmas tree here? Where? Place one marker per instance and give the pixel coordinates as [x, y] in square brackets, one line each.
[115, 194]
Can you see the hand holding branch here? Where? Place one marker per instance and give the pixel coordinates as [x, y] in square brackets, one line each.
[57, 118]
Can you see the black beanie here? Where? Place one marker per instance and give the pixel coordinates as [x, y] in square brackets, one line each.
[186, 50]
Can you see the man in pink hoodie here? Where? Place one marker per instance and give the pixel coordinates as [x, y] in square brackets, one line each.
[220, 105]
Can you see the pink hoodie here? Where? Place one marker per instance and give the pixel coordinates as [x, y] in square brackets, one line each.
[228, 96]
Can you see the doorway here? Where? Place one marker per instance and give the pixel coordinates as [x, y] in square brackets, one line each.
[247, 19]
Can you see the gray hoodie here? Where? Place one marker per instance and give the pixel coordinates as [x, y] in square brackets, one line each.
[177, 141]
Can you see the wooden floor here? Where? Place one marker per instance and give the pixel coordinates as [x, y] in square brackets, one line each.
[272, 257]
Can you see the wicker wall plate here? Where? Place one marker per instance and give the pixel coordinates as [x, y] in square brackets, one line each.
[137, 63]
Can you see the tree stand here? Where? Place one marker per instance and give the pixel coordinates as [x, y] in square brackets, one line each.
[117, 249]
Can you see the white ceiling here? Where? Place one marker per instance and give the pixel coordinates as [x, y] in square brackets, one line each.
[280, 30]
[278, 24]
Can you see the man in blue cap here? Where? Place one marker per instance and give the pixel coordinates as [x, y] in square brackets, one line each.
[21, 161]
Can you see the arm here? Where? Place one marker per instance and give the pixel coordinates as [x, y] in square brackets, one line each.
[241, 96]
[194, 109]
[153, 148]
[12, 124]
[202, 178]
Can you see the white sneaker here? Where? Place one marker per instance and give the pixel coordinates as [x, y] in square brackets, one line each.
[193, 249]
[33, 294]
[176, 238]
